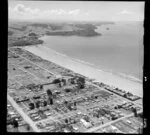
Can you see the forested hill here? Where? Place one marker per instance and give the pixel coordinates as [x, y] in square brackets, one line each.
[28, 33]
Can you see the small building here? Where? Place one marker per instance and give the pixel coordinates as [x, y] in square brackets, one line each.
[86, 124]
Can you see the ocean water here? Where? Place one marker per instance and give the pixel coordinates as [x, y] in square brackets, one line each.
[119, 50]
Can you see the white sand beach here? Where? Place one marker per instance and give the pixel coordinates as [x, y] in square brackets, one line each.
[86, 70]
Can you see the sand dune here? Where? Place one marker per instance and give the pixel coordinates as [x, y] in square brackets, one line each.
[81, 68]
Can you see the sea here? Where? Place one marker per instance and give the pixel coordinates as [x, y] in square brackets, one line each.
[119, 50]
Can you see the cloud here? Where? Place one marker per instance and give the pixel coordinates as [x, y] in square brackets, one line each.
[20, 8]
[24, 12]
[33, 11]
[126, 15]
[74, 12]
[61, 12]
[87, 13]
[126, 12]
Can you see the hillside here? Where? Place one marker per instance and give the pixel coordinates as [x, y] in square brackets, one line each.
[28, 33]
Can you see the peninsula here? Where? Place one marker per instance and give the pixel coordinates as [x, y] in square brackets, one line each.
[28, 33]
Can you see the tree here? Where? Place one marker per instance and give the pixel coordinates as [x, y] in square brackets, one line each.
[40, 112]
[41, 87]
[140, 115]
[56, 81]
[69, 107]
[96, 97]
[37, 104]
[72, 80]
[49, 93]
[125, 95]
[9, 119]
[66, 121]
[67, 90]
[50, 101]
[32, 34]
[15, 124]
[28, 127]
[45, 103]
[87, 118]
[81, 82]
[116, 107]
[64, 81]
[75, 104]
[66, 102]
[135, 112]
[119, 106]
[129, 94]
[140, 130]
[116, 89]
[60, 84]
[31, 105]
[31, 86]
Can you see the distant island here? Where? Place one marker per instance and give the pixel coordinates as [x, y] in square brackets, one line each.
[28, 33]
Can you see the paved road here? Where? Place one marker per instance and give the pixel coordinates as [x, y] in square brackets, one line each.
[137, 104]
[90, 130]
[34, 63]
[109, 123]
[87, 82]
[24, 116]
[30, 73]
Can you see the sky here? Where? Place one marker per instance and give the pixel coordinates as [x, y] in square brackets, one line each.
[76, 10]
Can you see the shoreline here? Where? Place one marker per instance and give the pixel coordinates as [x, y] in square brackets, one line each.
[128, 76]
[85, 69]
[120, 74]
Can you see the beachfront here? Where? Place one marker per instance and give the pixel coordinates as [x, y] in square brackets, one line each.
[69, 102]
[86, 70]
